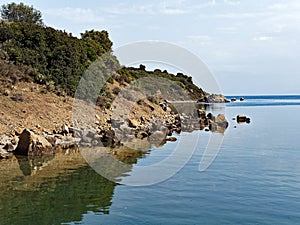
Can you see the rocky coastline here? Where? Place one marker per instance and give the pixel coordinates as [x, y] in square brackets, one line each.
[156, 127]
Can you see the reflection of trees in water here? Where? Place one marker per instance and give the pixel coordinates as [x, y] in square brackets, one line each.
[52, 194]
[61, 188]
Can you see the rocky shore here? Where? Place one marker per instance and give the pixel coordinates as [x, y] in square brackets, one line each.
[151, 121]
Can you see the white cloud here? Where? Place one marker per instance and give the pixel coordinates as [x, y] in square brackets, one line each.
[77, 15]
[170, 11]
[263, 38]
[201, 38]
[285, 6]
[231, 2]
[229, 29]
[240, 15]
[284, 23]
[122, 9]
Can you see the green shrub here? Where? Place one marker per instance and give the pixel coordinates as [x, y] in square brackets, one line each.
[107, 105]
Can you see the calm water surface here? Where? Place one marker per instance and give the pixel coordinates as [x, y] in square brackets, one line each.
[255, 179]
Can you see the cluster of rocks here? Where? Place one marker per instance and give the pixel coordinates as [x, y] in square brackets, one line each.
[114, 133]
[212, 123]
[213, 98]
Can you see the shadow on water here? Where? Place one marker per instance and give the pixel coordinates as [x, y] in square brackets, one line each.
[51, 190]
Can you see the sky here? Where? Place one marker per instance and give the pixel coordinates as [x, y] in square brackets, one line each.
[251, 46]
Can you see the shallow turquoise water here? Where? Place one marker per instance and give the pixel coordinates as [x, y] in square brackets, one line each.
[255, 179]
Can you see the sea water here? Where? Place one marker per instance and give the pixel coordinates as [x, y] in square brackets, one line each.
[254, 179]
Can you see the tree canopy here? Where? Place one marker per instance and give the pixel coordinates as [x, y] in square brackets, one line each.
[56, 59]
[21, 13]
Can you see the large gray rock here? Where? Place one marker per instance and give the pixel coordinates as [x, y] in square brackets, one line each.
[32, 144]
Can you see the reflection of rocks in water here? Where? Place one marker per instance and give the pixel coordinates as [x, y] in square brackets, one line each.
[29, 164]
[113, 163]
[59, 192]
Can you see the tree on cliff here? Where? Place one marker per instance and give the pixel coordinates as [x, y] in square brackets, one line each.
[100, 37]
[21, 13]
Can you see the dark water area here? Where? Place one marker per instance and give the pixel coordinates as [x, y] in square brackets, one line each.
[266, 100]
[34, 192]
[254, 179]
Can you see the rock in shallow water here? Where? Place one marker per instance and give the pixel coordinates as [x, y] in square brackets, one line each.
[32, 144]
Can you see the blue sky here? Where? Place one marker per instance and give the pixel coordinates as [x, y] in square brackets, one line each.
[251, 46]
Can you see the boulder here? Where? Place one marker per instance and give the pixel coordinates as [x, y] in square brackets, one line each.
[210, 116]
[202, 126]
[4, 154]
[213, 127]
[142, 134]
[220, 118]
[65, 129]
[221, 121]
[67, 143]
[204, 99]
[133, 123]
[172, 139]
[109, 138]
[51, 139]
[32, 144]
[18, 131]
[157, 136]
[201, 113]
[151, 107]
[116, 123]
[75, 132]
[163, 106]
[9, 147]
[248, 120]
[241, 118]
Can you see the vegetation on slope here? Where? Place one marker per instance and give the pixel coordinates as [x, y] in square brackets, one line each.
[33, 52]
